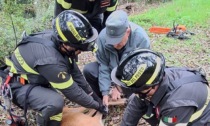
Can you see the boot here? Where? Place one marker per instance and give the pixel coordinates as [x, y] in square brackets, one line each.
[40, 121]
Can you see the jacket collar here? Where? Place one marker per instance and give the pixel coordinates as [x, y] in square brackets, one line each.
[161, 91]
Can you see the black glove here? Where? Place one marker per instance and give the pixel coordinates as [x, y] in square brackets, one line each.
[103, 109]
[96, 97]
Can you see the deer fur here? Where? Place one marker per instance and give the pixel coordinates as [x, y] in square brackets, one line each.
[78, 117]
[85, 117]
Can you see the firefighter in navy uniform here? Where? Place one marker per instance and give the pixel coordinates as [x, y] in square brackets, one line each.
[164, 96]
[96, 11]
[46, 59]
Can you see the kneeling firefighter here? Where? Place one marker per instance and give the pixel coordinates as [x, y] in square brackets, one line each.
[164, 96]
[44, 61]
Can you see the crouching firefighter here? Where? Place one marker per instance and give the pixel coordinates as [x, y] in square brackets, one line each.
[43, 63]
[165, 96]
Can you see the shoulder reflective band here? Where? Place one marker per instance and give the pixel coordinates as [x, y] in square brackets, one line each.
[60, 33]
[113, 8]
[22, 62]
[199, 112]
[10, 63]
[74, 31]
[63, 85]
[136, 76]
[24, 76]
[157, 70]
[64, 4]
[57, 117]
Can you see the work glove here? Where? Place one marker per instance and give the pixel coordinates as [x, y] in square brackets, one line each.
[103, 109]
[96, 97]
[105, 100]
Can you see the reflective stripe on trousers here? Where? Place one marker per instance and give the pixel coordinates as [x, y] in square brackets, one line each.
[199, 112]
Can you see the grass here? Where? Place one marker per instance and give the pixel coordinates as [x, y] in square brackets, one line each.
[195, 15]
[190, 13]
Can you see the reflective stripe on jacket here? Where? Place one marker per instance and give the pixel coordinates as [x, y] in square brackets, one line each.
[193, 95]
[89, 8]
[42, 63]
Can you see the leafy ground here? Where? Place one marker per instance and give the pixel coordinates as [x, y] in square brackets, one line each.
[194, 52]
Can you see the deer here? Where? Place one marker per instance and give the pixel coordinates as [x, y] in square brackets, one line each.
[81, 116]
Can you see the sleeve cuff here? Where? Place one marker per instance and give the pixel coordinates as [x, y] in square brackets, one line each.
[105, 93]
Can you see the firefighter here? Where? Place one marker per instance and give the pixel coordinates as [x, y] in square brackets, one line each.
[118, 38]
[96, 11]
[45, 60]
[166, 96]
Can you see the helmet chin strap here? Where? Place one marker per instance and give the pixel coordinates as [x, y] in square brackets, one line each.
[63, 49]
[144, 95]
[70, 54]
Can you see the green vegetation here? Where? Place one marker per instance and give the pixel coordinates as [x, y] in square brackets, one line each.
[26, 17]
[195, 15]
[191, 13]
